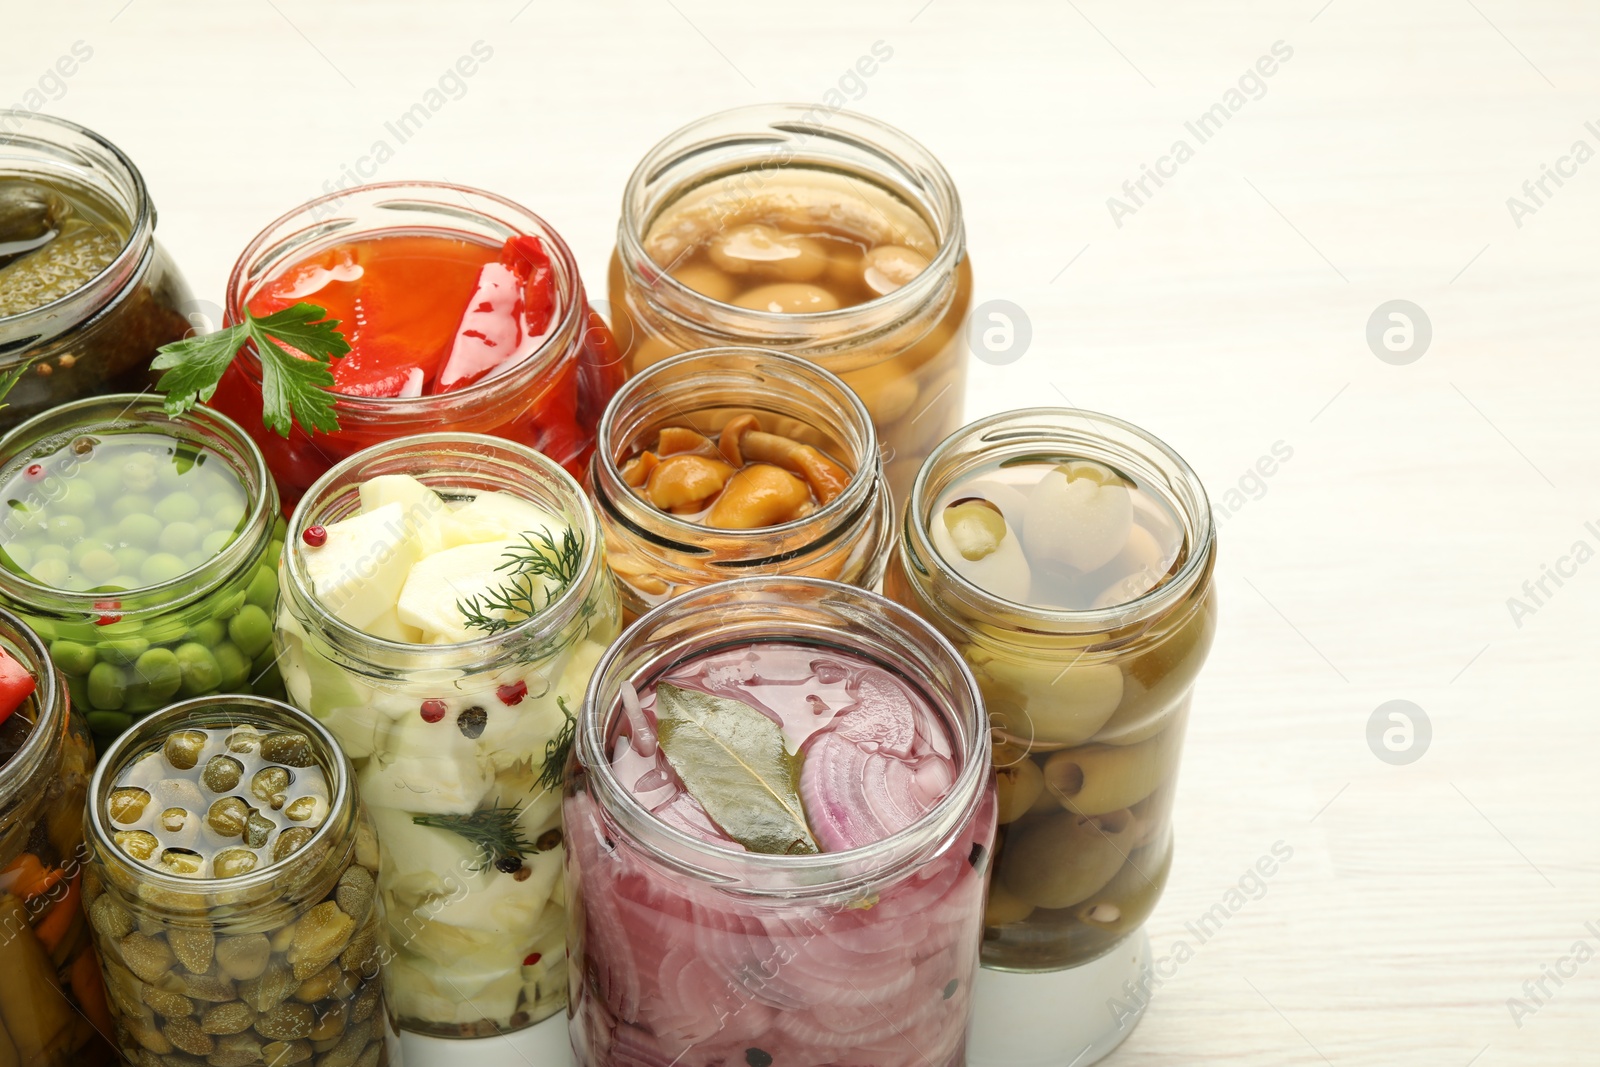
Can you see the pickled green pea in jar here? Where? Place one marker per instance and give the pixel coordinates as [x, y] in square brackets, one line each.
[232, 927]
[143, 548]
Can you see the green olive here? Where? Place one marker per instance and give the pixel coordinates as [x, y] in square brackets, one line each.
[1095, 779]
[1018, 783]
[1059, 860]
[1125, 902]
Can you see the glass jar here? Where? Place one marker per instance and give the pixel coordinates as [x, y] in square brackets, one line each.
[656, 555]
[266, 967]
[1086, 782]
[100, 337]
[904, 352]
[449, 737]
[129, 649]
[859, 956]
[52, 1003]
[550, 401]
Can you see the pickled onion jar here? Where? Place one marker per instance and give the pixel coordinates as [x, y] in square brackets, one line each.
[903, 351]
[685, 950]
[657, 555]
[550, 401]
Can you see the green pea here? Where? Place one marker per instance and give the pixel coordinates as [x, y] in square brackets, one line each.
[120, 584]
[201, 672]
[162, 567]
[123, 651]
[50, 572]
[26, 518]
[177, 506]
[108, 687]
[76, 584]
[65, 528]
[132, 504]
[142, 529]
[76, 552]
[275, 551]
[179, 538]
[225, 509]
[280, 528]
[140, 472]
[229, 604]
[78, 497]
[72, 657]
[103, 477]
[234, 665]
[208, 633]
[78, 690]
[50, 551]
[18, 556]
[159, 673]
[215, 541]
[109, 723]
[46, 629]
[97, 564]
[129, 559]
[203, 524]
[263, 591]
[251, 630]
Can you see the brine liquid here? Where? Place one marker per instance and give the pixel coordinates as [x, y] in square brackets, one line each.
[120, 512]
[876, 757]
[55, 237]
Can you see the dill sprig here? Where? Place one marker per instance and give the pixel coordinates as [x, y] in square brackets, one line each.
[495, 831]
[537, 557]
[557, 749]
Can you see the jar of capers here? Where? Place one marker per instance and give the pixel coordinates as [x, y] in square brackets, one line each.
[233, 892]
[143, 547]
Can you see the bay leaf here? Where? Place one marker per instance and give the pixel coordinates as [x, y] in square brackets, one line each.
[732, 760]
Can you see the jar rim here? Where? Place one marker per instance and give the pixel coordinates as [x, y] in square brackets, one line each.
[904, 847]
[912, 167]
[14, 123]
[566, 606]
[1192, 504]
[191, 585]
[341, 795]
[17, 772]
[642, 386]
[564, 327]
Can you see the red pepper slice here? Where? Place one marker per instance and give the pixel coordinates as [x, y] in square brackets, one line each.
[513, 304]
[16, 684]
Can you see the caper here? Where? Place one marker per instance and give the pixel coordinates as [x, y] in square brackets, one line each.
[270, 786]
[182, 861]
[290, 841]
[304, 809]
[183, 748]
[289, 749]
[139, 844]
[222, 774]
[227, 817]
[232, 862]
[174, 819]
[257, 828]
[244, 739]
[127, 805]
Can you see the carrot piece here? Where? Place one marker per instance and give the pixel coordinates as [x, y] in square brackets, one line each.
[53, 927]
[90, 989]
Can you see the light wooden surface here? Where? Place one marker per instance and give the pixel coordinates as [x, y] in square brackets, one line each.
[1227, 314]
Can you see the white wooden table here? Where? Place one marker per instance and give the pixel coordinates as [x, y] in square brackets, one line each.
[1227, 313]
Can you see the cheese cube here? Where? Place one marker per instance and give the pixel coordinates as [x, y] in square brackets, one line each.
[436, 585]
[357, 573]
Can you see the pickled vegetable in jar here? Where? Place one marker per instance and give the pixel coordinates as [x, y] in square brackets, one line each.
[1068, 555]
[52, 1002]
[463, 311]
[445, 603]
[145, 547]
[237, 912]
[779, 829]
[838, 239]
[87, 296]
[716, 462]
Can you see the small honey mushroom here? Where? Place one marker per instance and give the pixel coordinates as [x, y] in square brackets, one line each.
[759, 495]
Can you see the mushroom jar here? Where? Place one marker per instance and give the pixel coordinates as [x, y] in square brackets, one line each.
[830, 236]
[1069, 556]
[234, 893]
[729, 462]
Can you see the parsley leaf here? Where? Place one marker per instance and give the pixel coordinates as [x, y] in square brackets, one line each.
[292, 389]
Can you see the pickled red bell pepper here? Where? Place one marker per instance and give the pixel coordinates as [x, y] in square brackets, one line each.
[16, 684]
[506, 317]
